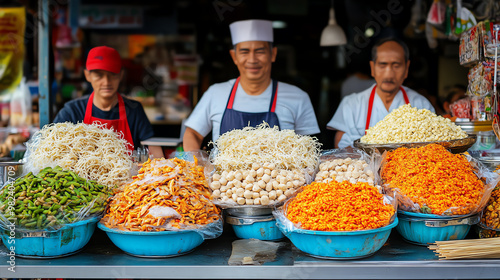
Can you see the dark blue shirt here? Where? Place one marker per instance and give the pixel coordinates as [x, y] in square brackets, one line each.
[140, 127]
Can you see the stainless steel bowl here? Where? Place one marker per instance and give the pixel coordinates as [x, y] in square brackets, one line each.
[249, 211]
[490, 161]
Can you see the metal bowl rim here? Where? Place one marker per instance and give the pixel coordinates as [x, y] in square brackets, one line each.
[390, 145]
[249, 211]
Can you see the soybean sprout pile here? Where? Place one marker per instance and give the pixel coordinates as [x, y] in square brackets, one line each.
[240, 148]
[91, 151]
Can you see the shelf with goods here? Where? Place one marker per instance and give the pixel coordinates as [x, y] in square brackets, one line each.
[476, 112]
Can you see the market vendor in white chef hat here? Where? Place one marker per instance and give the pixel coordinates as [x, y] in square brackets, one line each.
[253, 97]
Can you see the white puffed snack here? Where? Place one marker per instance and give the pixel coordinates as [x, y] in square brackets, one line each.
[407, 124]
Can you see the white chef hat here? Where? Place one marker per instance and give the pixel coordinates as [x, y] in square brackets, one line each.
[251, 30]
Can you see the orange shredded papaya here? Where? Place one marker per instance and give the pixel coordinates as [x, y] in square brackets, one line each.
[340, 206]
[171, 183]
[440, 182]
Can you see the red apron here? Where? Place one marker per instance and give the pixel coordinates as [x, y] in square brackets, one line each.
[120, 125]
[370, 105]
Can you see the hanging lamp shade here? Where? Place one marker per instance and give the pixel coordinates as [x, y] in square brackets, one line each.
[332, 35]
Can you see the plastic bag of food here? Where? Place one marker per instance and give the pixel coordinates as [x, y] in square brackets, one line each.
[51, 199]
[350, 164]
[199, 157]
[436, 15]
[336, 206]
[431, 180]
[481, 108]
[490, 217]
[167, 194]
[461, 108]
[20, 106]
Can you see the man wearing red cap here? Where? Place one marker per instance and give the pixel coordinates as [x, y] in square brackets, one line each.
[105, 104]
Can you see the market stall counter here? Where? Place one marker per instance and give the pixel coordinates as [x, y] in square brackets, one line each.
[397, 259]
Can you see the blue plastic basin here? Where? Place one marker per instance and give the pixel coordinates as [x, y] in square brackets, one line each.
[65, 241]
[339, 244]
[422, 229]
[261, 227]
[154, 244]
[429, 216]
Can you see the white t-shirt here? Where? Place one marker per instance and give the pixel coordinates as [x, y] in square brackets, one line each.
[351, 114]
[293, 108]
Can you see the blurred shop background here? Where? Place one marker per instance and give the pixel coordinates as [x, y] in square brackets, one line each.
[174, 50]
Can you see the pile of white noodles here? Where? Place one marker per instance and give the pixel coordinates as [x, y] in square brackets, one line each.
[240, 148]
[91, 151]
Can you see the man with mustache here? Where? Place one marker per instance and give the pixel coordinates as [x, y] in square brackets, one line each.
[357, 112]
[105, 105]
[253, 97]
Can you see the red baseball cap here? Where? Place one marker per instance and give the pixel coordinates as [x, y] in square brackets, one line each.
[104, 58]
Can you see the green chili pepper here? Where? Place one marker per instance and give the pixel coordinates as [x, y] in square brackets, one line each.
[63, 200]
[30, 225]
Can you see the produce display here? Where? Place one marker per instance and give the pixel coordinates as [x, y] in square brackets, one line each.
[52, 198]
[340, 206]
[261, 165]
[352, 170]
[166, 194]
[92, 151]
[407, 124]
[432, 180]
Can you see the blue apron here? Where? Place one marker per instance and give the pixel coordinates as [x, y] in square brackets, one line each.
[232, 119]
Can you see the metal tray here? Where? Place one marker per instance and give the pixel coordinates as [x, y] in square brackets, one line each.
[455, 146]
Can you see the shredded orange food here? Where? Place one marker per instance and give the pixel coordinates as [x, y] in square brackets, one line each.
[340, 206]
[164, 184]
[435, 179]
